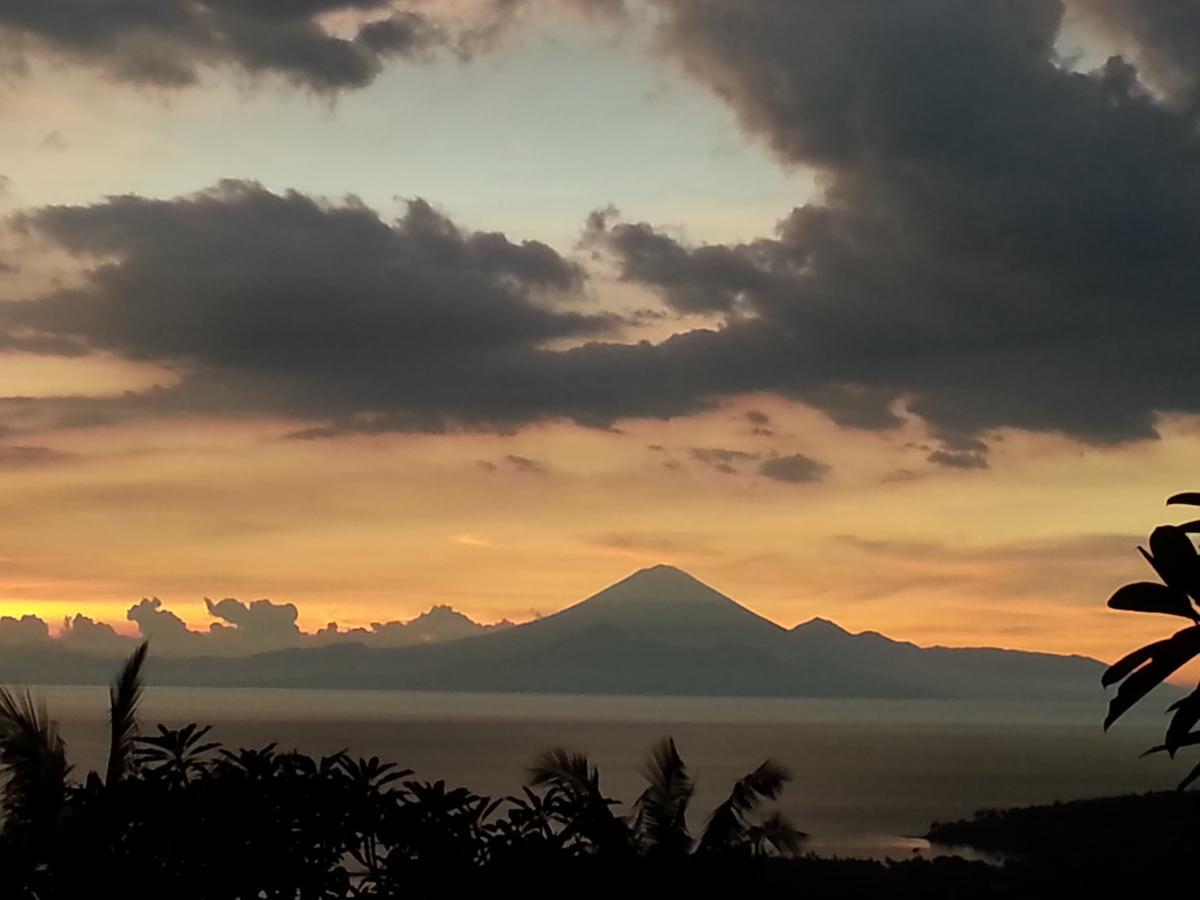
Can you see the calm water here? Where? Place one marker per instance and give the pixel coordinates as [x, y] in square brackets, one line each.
[870, 776]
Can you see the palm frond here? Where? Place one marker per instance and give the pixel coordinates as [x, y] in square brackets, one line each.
[33, 761]
[726, 828]
[124, 696]
[564, 769]
[661, 810]
[776, 835]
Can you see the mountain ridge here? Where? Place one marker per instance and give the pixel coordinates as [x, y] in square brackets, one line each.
[659, 630]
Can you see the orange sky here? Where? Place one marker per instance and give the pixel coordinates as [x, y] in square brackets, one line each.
[365, 529]
[358, 529]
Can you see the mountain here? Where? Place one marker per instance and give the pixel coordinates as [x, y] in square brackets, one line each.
[658, 631]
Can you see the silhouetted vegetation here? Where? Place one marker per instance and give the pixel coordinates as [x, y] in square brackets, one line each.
[178, 815]
[1174, 559]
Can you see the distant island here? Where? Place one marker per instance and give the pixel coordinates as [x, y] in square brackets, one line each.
[658, 631]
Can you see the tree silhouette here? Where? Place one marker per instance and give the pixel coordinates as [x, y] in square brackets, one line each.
[661, 810]
[1173, 557]
[33, 761]
[178, 815]
[123, 697]
[729, 828]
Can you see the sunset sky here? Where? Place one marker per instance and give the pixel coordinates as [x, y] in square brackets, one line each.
[882, 312]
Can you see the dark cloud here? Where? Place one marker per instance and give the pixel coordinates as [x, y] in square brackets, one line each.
[281, 304]
[1163, 35]
[760, 423]
[963, 453]
[702, 280]
[514, 462]
[998, 241]
[525, 464]
[958, 459]
[167, 42]
[796, 469]
[724, 461]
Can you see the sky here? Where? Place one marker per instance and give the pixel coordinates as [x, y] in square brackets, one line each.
[881, 312]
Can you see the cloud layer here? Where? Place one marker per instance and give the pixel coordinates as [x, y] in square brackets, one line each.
[1000, 241]
[238, 629]
[322, 45]
[165, 43]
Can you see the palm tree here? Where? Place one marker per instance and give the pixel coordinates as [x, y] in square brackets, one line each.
[124, 696]
[177, 753]
[729, 828]
[33, 760]
[661, 810]
[591, 816]
[659, 825]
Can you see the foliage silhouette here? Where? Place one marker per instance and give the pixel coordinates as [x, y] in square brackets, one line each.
[178, 815]
[123, 698]
[1173, 557]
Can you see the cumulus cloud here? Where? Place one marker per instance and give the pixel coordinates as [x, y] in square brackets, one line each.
[258, 625]
[240, 629]
[283, 304]
[85, 635]
[952, 261]
[27, 630]
[439, 623]
[163, 628]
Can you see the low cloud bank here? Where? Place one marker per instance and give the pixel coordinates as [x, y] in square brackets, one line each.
[238, 629]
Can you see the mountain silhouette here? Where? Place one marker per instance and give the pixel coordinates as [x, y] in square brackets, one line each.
[657, 631]
[664, 605]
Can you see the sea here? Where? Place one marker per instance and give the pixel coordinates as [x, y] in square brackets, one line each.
[869, 776]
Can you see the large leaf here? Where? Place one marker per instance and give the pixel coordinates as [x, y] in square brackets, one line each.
[1187, 714]
[1175, 559]
[1192, 776]
[1157, 661]
[1188, 740]
[1148, 596]
[1153, 563]
[1130, 661]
